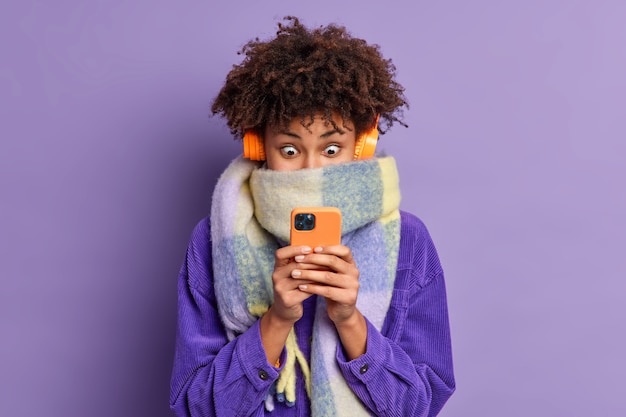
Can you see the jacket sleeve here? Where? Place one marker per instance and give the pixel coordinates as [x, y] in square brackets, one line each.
[212, 376]
[407, 368]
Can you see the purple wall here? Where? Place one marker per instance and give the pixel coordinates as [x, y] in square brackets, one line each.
[514, 158]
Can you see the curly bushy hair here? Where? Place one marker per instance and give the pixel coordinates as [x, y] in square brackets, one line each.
[305, 72]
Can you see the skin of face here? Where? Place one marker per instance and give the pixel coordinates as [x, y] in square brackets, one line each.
[313, 146]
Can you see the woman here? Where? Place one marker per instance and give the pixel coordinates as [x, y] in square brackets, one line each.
[267, 328]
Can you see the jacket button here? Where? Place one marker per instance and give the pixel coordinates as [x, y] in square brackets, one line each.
[263, 375]
[364, 368]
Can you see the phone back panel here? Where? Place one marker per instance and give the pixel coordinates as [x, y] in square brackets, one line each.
[326, 231]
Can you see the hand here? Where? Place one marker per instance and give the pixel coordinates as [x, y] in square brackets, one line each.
[288, 298]
[278, 321]
[331, 273]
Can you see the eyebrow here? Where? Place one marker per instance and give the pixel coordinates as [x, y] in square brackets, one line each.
[322, 136]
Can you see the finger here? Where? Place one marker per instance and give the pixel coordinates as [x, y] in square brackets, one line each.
[286, 291]
[327, 262]
[326, 278]
[283, 277]
[284, 255]
[309, 265]
[340, 251]
[295, 296]
[337, 295]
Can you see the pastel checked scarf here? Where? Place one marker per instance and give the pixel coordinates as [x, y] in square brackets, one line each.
[250, 219]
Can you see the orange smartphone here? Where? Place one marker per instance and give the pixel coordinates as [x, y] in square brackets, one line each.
[315, 226]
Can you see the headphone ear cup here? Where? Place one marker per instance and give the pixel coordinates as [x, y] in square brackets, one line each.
[366, 144]
[253, 148]
[246, 144]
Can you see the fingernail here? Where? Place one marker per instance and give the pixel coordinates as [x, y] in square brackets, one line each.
[318, 249]
[306, 249]
[302, 287]
[295, 273]
[299, 258]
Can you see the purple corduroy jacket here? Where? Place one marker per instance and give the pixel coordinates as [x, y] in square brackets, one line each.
[406, 370]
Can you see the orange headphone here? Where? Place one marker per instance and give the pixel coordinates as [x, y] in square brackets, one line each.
[365, 145]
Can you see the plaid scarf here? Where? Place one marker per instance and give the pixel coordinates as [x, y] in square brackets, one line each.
[250, 219]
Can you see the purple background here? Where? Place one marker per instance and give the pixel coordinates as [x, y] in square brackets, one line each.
[514, 158]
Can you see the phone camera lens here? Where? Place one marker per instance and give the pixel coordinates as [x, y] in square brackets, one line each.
[304, 221]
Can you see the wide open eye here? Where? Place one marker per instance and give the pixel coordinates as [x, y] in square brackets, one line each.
[332, 150]
[289, 150]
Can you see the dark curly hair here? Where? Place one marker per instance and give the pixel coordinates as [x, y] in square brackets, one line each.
[304, 72]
